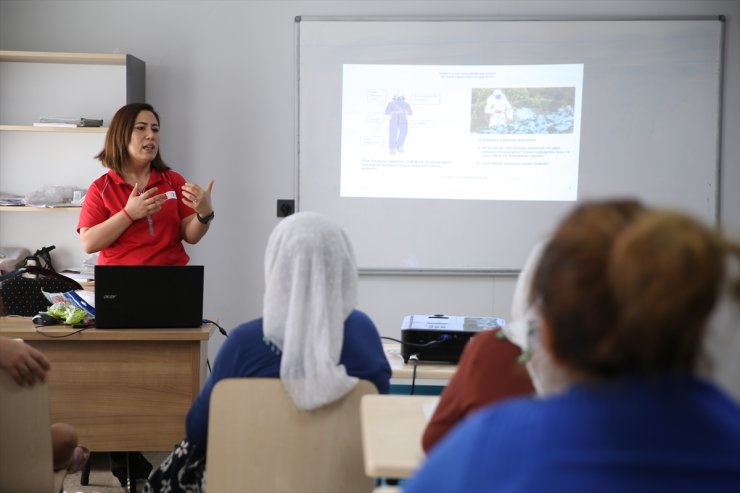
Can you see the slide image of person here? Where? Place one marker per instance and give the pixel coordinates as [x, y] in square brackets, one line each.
[523, 110]
[398, 127]
[499, 108]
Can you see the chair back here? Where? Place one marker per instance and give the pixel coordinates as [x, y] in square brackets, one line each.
[26, 463]
[258, 441]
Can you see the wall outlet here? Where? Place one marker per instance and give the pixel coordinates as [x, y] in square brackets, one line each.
[285, 207]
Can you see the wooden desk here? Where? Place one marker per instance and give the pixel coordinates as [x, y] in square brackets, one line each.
[392, 426]
[122, 389]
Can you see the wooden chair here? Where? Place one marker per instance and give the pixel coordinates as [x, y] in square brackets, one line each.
[26, 462]
[258, 441]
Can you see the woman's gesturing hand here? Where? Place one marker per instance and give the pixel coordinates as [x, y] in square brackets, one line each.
[140, 205]
[198, 198]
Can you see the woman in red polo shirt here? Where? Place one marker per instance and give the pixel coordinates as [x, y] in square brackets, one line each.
[141, 211]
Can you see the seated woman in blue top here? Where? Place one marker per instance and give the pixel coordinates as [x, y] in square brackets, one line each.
[311, 337]
[624, 298]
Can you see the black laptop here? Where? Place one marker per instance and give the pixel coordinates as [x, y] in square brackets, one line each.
[148, 296]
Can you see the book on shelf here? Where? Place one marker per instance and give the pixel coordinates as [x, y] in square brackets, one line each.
[49, 124]
[53, 121]
[11, 199]
[12, 202]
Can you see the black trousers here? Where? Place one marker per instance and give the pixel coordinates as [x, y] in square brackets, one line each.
[138, 466]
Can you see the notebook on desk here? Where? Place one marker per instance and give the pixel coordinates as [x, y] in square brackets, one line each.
[148, 296]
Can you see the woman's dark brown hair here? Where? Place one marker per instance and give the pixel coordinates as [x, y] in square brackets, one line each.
[115, 153]
[570, 288]
[666, 271]
[628, 291]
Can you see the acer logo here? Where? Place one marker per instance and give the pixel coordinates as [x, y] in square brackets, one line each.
[109, 296]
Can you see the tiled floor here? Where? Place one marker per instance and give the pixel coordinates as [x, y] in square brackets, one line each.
[101, 479]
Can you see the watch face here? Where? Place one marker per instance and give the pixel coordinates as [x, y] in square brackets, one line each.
[205, 219]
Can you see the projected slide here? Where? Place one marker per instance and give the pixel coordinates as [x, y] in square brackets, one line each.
[508, 132]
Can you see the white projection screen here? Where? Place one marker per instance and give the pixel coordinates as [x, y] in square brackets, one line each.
[455, 145]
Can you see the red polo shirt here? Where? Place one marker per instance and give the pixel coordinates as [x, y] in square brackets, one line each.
[139, 244]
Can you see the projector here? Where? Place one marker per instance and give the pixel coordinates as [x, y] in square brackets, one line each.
[441, 337]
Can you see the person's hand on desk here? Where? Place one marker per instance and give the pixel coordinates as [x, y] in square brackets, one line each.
[25, 364]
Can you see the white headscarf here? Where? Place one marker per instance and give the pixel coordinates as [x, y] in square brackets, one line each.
[310, 290]
[547, 377]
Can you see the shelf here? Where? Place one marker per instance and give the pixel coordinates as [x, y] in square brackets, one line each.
[134, 67]
[31, 128]
[61, 57]
[23, 208]
[36, 83]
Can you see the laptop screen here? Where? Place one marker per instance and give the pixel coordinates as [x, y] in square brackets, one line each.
[148, 296]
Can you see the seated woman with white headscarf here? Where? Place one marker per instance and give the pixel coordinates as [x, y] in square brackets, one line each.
[311, 336]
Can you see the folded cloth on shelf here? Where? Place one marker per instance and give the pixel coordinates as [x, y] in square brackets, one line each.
[11, 258]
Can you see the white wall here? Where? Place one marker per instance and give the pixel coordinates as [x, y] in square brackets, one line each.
[222, 76]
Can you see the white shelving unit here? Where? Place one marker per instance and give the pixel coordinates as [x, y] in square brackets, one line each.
[36, 84]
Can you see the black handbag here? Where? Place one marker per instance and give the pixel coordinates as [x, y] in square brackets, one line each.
[20, 290]
[40, 257]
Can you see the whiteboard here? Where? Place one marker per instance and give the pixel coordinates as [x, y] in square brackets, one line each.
[650, 116]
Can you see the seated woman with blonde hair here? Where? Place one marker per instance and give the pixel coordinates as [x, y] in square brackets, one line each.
[624, 298]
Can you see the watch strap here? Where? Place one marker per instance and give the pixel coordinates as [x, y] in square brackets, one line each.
[205, 219]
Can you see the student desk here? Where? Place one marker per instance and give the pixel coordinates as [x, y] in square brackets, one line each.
[428, 374]
[122, 389]
[392, 426]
